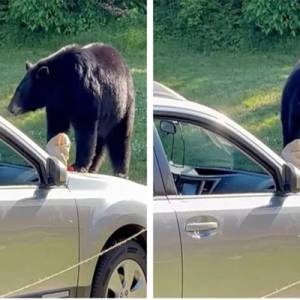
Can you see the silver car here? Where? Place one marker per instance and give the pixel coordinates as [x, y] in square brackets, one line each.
[62, 234]
[226, 207]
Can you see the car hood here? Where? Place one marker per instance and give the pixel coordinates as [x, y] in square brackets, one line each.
[87, 185]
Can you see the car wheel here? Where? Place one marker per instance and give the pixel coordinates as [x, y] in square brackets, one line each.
[121, 273]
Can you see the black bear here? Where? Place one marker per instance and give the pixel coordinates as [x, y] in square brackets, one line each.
[290, 107]
[90, 88]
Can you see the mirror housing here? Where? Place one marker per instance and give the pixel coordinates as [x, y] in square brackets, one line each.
[56, 171]
[291, 176]
[167, 127]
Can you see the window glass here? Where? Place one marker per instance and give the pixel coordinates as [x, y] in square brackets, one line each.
[14, 169]
[196, 154]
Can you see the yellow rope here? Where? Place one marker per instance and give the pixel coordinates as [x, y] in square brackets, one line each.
[73, 266]
[281, 289]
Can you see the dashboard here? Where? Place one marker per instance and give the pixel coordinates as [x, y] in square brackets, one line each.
[13, 174]
[201, 181]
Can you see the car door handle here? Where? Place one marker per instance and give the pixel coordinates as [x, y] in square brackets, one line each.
[201, 226]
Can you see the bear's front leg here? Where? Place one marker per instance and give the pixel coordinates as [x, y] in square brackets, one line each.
[56, 123]
[86, 137]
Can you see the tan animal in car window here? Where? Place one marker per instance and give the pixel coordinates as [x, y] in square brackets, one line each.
[291, 153]
[59, 146]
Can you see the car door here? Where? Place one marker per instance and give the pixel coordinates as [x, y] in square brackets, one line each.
[240, 235]
[38, 229]
[167, 254]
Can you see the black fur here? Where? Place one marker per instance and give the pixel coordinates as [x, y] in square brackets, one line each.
[91, 89]
[290, 107]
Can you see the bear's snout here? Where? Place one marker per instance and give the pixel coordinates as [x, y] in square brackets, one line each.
[14, 108]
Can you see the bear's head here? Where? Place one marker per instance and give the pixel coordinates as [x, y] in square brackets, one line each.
[31, 92]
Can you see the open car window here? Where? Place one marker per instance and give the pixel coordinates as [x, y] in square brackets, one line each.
[203, 162]
[15, 169]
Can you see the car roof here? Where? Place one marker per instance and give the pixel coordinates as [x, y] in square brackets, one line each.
[160, 90]
[164, 96]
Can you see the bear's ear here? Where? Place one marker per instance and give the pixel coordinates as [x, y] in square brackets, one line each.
[28, 65]
[42, 72]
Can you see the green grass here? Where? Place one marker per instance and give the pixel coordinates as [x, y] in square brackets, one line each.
[245, 86]
[130, 40]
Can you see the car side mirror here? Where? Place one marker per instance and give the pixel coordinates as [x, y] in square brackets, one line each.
[291, 176]
[56, 171]
[167, 127]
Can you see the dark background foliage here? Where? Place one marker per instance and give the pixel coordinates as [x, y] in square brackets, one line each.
[27, 18]
[60, 15]
[231, 24]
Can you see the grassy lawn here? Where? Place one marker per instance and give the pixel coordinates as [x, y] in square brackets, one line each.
[245, 86]
[130, 41]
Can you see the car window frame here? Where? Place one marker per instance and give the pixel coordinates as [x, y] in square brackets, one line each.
[227, 132]
[163, 182]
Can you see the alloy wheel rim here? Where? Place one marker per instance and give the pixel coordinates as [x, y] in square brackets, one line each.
[127, 281]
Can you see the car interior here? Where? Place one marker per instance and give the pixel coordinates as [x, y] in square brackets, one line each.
[14, 169]
[202, 162]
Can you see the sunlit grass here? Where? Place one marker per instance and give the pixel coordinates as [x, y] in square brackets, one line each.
[244, 86]
[261, 99]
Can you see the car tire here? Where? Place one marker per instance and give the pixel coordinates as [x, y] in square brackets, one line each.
[121, 273]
